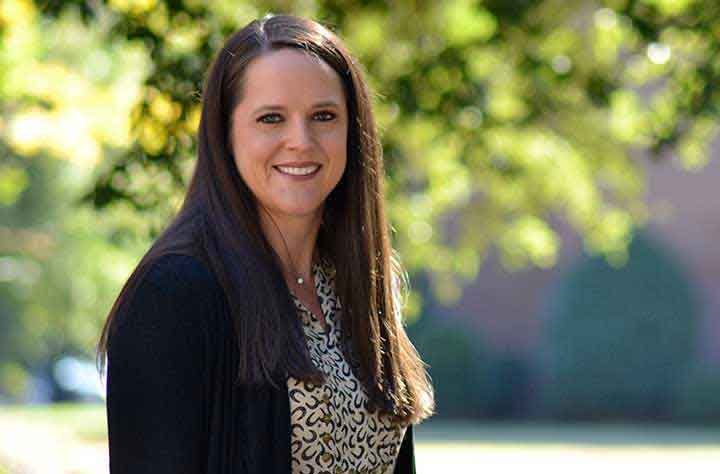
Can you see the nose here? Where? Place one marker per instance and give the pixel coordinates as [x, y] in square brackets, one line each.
[299, 136]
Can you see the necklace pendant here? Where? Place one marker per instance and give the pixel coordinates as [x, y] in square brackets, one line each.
[300, 280]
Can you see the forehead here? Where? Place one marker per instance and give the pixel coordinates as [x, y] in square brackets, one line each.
[289, 74]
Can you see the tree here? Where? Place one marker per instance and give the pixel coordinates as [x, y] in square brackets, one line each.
[60, 264]
[496, 113]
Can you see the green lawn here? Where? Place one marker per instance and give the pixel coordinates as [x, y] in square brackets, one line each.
[595, 434]
[73, 439]
[86, 422]
[444, 447]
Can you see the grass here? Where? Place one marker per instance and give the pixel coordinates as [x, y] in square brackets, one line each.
[591, 434]
[72, 438]
[569, 448]
[83, 422]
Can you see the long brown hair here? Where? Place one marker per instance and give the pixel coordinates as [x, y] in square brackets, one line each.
[218, 223]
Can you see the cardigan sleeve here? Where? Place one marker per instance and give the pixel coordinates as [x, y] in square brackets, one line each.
[157, 363]
[405, 463]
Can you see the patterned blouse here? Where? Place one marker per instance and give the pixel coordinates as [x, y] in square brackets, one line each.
[331, 429]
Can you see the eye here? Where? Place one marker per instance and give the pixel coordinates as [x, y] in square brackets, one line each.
[327, 114]
[262, 119]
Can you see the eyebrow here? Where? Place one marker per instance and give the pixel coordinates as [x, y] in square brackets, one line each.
[326, 103]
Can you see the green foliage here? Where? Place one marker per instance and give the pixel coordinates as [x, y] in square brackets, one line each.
[13, 181]
[455, 359]
[60, 268]
[506, 388]
[496, 112]
[470, 380]
[620, 339]
[61, 264]
[699, 397]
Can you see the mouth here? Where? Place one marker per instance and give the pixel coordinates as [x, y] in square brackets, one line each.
[301, 172]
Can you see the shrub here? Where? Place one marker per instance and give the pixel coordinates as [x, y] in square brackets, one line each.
[506, 390]
[454, 356]
[699, 397]
[619, 339]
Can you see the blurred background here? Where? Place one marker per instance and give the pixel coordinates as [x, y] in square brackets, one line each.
[553, 186]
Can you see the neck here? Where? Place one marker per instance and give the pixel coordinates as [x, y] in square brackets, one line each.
[293, 239]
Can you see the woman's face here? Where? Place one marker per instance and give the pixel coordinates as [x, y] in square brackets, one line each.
[291, 121]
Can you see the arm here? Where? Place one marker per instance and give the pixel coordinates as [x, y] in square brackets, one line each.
[156, 380]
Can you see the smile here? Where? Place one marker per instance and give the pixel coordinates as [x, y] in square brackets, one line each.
[305, 171]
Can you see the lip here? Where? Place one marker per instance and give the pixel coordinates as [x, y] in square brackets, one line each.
[304, 177]
[299, 164]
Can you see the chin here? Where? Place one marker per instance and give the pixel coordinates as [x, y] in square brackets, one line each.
[299, 211]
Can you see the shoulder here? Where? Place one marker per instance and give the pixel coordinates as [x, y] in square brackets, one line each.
[179, 269]
[179, 290]
[185, 274]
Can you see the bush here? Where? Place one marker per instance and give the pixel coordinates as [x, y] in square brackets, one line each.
[454, 356]
[620, 339]
[471, 382]
[699, 397]
[506, 390]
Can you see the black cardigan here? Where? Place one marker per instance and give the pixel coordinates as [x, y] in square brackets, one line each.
[171, 405]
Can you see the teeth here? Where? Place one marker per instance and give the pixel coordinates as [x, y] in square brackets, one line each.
[298, 171]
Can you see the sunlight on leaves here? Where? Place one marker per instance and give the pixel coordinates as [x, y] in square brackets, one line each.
[13, 181]
[529, 238]
[466, 22]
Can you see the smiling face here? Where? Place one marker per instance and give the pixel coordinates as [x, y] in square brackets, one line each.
[292, 120]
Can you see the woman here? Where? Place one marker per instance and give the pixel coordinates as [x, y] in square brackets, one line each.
[261, 333]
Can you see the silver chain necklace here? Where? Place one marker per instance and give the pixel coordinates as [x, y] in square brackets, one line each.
[300, 280]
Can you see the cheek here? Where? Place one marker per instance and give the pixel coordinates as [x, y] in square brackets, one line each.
[338, 147]
[342, 164]
[249, 172]
[338, 163]
[253, 159]
[242, 169]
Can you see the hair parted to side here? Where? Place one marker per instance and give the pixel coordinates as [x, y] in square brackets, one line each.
[218, 223]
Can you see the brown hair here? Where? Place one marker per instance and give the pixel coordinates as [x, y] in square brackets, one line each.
[218, 222]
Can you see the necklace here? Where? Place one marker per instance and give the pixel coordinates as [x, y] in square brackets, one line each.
[300, 280]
